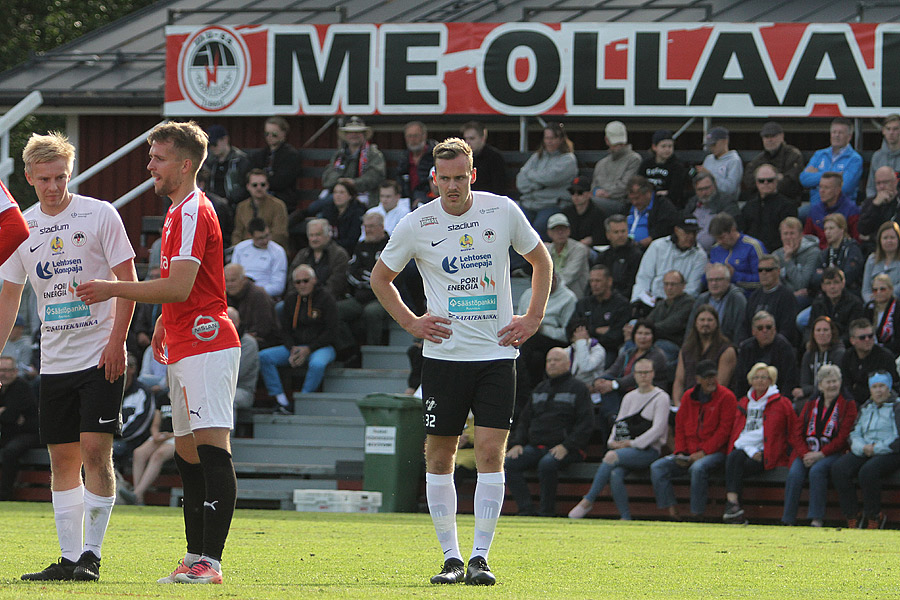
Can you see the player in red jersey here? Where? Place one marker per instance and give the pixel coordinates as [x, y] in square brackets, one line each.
[13, 228]
[197, 340]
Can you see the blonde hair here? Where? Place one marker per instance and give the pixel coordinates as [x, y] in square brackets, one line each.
[48, 148]
[189, 139]
[770, 370]
[451, 148]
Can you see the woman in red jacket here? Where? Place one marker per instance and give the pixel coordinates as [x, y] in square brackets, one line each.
[819, 439]
[759, 439]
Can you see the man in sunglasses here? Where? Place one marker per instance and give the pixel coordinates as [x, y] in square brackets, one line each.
[766, 345]
[263, 205]
[766, 208]
[865, 358]
[774, 297]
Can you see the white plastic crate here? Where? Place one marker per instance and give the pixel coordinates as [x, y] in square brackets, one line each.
[337, 501]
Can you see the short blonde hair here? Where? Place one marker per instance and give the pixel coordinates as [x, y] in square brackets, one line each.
[451, 148]
[48, 148]
[771, 371]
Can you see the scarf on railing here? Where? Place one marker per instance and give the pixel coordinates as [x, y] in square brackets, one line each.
[819, 432]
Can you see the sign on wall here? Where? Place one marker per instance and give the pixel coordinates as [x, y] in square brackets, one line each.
[627, 69]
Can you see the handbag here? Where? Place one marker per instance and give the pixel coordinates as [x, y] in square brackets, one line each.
[634, 425]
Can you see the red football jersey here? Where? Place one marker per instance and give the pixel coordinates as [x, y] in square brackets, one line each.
[200, 323]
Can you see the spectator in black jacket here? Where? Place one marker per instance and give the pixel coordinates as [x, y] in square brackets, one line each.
[280, 161]
[416, 163]
[768, 346]
[664, 170]
[309, 323]
[623, 257]
[488, 162]
[360, 309]
[227, 167]
[883, 206]
[864, 358]
[344, 213]
[766, 209]
[585, 218]
[552, 431]
[787, 160]
[18, 424]
[774, 297]
[605, 311]
[650, 216]
[836, 302]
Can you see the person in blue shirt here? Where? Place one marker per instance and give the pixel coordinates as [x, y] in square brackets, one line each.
[839, 157]
[739, 252]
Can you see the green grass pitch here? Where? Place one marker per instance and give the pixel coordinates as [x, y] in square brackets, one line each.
[284, 555]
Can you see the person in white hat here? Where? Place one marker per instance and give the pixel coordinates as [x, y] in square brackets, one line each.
[570, 257]
[612, 172]
[357, 159]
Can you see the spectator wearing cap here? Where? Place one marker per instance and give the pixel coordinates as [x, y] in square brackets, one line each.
[676, 252]
[840, 158]
[416, 163]
[623, 257]
[738, 251]
[724, 164]
[889, 153]
[663, 168]
[766, 208]
[786, 159]
[702, 428]
[570, 257]
[613, 171]
[487, 160]
[357, 159]
[650, 216]
[585, 219]
[883, 205]
[280, 161]
[707, 203]
[227, 166]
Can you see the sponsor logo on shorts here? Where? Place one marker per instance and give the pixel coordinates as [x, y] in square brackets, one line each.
[205, 329]
[105, 421]
[425, 221]
[473, 303]
[79, 238]
[66, 310]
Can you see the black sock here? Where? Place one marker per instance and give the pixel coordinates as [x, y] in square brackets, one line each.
[221, 494]
[194, 487]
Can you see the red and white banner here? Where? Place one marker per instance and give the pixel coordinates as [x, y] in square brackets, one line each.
[577, 69]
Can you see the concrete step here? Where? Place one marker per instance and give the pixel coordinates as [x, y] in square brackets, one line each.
[365, 381]
[397, 336]
[328, 404]
[384, 357]
[303, 427]
[295, 451]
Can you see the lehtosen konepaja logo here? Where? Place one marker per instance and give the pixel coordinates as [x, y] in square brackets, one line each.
[212, 69]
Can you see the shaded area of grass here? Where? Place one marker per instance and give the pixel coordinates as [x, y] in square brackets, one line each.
[284, 555]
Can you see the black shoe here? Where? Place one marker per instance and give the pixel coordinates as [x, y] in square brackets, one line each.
[282, 410]
[452, 572]
[87, 568]
[733, 513]
[478, 572]
[58, 571]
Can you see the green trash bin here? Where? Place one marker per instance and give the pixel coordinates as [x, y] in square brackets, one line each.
[394, 447]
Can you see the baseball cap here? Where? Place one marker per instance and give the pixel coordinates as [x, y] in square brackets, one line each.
[557, 220]
[714, 135]
[660, 135]
[580, 184]
[616, 133]
[688, 224]
[705, 368]
[215, 133]
[771, 128]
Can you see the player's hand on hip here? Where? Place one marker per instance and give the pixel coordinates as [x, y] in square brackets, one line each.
[430, 327]
[520, 328]
[94, 291]
[113, 359]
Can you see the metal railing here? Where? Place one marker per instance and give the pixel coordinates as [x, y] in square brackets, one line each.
[13, 116]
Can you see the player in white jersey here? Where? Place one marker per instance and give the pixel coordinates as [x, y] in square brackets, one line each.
[72, 239]
[461, 246]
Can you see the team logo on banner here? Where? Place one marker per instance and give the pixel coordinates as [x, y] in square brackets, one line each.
[213, 68]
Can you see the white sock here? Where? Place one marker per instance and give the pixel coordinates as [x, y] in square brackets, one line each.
[190, 558]
[213, 563]
[489, 492]
[282, 399]
[68, 512]
[441, 494]
[97, 510]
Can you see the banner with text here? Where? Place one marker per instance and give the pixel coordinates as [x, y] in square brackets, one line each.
[576, 69]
